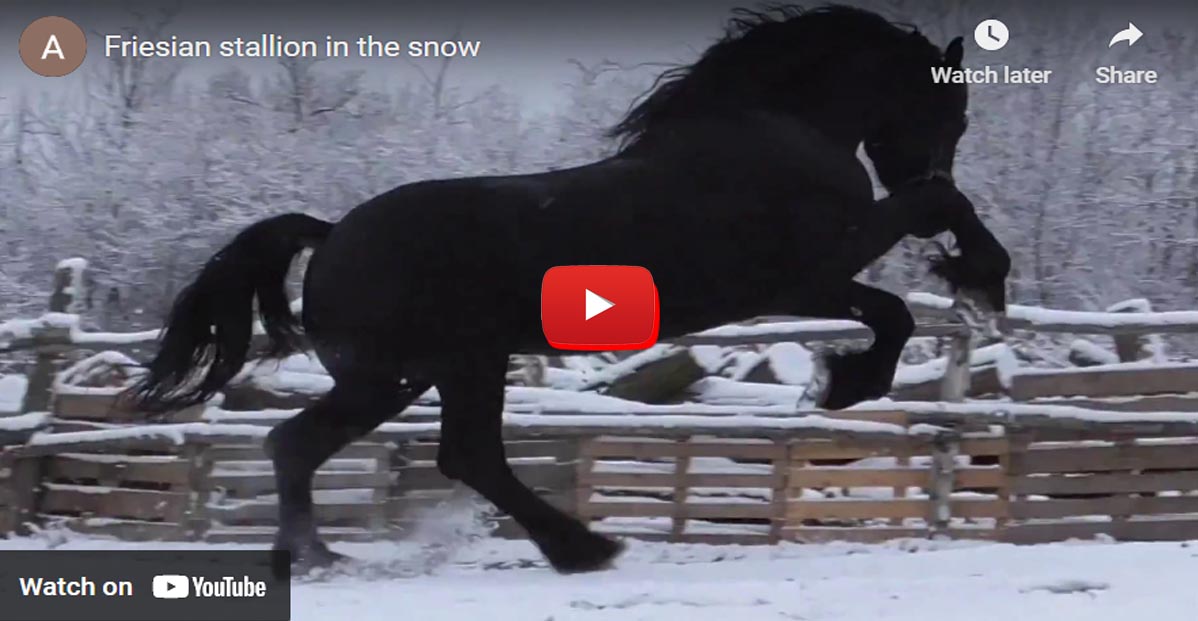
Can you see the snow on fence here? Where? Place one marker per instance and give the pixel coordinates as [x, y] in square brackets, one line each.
[1029, 474]
[1123, 464]
[213, 482]
[1019, 481]
[1124, 382]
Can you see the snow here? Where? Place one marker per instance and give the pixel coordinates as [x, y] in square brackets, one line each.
[75, 285]
[740, 363]
[1134, 305]
[905, 580]
[295, 374]
[535, 399]
[663, 526]
[698, 465]
[713, 424]
[104, 458]
[75, 264]
[712, 358]
[933, 370]
[1118, 366]
[723, 391]
[290, 382]
[806, 326]
[791, 363]
[12, 392]
[22, 329]
[563, 379]
[90, 370]
[23, 422]
[1013, 411]
[631, 363]
[1037, 316]
[175, 433]
[114, 338]
[930, 300]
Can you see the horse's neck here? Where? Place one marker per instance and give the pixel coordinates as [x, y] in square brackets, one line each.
[845, 119]
[746, 129]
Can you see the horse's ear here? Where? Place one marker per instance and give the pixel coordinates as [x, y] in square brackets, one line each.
[954, 52]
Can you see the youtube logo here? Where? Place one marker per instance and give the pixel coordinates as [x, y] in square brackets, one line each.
[170, 586]
[599, 307]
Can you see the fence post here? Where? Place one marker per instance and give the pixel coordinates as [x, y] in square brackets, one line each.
[68, 290]
[1130, 347]
[197, 521]
[955, 384]
[682, 466]
[1014, 469]
[527, 370]
[567, 492]
[376, 520]
[945, 447]
[780, 467]
[582, 487]
[23, 484]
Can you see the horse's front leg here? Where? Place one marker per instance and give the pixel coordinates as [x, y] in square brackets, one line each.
[978, 270]
[852, 377]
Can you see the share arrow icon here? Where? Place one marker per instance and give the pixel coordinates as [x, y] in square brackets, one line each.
[1131, 34]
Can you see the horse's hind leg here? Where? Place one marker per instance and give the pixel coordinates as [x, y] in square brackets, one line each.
[472, 451]
[298, 446]
[857, 376]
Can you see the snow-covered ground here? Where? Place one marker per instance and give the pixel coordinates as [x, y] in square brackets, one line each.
[501, 580]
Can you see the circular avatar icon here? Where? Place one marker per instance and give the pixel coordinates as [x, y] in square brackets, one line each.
[991, 35]
[53, 46]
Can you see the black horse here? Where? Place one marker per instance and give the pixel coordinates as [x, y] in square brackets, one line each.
[737, 186]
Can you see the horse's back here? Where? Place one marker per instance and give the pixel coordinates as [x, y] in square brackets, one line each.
[404, 266]
[447, 263]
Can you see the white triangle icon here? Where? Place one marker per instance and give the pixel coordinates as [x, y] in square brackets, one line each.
[596, 304]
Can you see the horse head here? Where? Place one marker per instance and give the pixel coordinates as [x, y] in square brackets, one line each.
[916, 137]
[858, 79]
[914, 144]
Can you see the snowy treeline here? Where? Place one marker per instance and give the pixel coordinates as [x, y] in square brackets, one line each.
[1092, 187]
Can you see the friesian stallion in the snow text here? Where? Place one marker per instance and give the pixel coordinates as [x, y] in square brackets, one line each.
[737, 185]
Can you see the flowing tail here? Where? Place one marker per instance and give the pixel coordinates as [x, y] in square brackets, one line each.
[207, 336]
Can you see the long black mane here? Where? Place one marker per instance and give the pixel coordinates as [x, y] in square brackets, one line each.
[761, 59]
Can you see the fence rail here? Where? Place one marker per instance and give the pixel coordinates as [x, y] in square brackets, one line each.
[1071, 452]
[1031, 478]
[52, 336]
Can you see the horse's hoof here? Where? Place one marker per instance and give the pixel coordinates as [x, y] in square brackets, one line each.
[302, 560]
[851, 379]
[593, 552]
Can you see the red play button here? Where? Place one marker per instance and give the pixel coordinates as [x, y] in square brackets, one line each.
[599, 307]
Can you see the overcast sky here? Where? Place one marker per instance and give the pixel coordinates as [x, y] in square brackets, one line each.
[525, 43]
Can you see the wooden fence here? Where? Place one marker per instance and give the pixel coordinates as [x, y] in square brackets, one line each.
[1027, 476]
[222, 489]
[55, 337]
[1036, 492]
[1071, 452]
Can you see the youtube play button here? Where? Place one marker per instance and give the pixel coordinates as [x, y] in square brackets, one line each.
[596, 304]
[599, 307]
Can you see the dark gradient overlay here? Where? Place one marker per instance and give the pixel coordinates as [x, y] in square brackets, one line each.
[528, 42]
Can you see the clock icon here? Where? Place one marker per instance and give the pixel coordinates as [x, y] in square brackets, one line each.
[991, 35]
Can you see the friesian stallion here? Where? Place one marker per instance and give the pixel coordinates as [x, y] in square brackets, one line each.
[737, 185]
